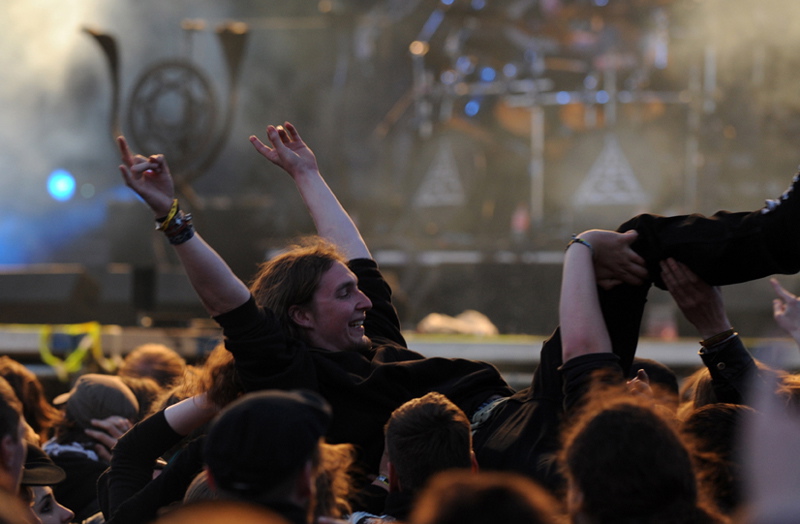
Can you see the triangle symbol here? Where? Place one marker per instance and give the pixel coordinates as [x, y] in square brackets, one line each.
[442, 183]
[611, 180]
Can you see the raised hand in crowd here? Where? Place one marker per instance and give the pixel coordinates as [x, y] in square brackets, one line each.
[700, 303]
[332, 221]
[614, 260]
[786, 310]
[289, 151]
[149, 177]
[219, 289]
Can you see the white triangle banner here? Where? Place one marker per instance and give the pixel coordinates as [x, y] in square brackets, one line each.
[442, 184]
[611, 180]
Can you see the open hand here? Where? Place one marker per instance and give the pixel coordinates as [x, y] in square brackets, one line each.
[288, 150]
[786, 309]
[700, 303]
[109, 431]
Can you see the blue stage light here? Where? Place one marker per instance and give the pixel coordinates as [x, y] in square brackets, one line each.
[563, 97]
[61, 185]
[488, 74]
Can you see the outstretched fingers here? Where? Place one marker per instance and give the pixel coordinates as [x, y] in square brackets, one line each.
[292, 131]
[781, 291]
[124, 150]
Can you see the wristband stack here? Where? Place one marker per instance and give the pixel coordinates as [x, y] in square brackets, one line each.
[177, 225]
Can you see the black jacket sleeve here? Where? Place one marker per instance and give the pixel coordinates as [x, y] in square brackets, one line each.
[133, 495]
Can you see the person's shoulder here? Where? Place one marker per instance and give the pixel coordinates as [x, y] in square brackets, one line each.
[387, 350]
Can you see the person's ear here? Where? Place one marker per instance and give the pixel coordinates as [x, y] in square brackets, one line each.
[305, 485]
[212, 483]
[7, 448]
[574, 498]
[301, 316]
[474, 459]
[394, 482]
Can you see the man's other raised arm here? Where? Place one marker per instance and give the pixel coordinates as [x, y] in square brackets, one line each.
[219, 289]
[290, 153]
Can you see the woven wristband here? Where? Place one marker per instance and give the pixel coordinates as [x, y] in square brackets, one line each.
[576, 240]
[163, 223]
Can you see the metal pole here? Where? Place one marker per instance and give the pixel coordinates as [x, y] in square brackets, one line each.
[536, 167]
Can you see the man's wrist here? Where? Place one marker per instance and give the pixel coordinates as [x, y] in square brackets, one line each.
[718, 338]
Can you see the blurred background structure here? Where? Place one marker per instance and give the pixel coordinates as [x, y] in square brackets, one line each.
[468, 138]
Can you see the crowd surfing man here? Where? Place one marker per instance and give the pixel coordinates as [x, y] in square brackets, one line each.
[320, 316]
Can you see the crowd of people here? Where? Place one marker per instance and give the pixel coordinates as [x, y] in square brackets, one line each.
[314, 409]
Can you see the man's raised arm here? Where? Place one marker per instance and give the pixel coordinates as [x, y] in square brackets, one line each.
[219, 289]
[290, 153]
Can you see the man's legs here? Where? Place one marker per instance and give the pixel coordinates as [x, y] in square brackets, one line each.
[726, 248]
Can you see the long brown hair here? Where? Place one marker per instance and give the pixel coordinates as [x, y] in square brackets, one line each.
[292, 278]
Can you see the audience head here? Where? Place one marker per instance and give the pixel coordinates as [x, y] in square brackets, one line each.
[94, 396]
[455, 497]
[38, 412]
[264, 448]
[38, 477]
[292, 278]
[218, 377]
[713, 432]
[625, 462]
[220, 512]
[147, 393]
[424, 436]
[334, 482]
[12, 439]
[199, 489]
[14, 511]
[155, 361]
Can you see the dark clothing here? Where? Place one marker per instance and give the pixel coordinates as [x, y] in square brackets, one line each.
[732, 369]
[364, 387]
[397, 508]
[78, 491]
[399, 504]
[133, 495]
[725, 248]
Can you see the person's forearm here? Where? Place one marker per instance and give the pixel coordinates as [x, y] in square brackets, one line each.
[330, 218]
[583, 328]
[219, 289]
[190, 414]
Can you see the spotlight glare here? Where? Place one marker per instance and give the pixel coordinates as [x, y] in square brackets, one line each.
[472, 107]
[418, 48]
[602, 97]
[61, 185]
[562, 97]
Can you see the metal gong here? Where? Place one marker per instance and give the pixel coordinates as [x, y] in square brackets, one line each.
[172, 109]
